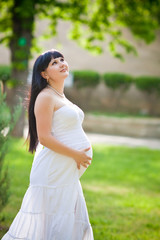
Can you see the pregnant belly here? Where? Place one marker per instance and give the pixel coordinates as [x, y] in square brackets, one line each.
[82, 146]
[51, 168]
[74, 138]
[77, 140]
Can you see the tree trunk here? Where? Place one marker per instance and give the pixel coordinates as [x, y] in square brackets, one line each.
[20, 45]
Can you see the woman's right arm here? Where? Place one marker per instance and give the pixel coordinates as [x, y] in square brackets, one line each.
[43, 110]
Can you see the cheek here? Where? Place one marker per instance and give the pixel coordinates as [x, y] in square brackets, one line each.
[53, 70]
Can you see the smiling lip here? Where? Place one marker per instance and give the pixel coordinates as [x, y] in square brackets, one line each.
[63, 70]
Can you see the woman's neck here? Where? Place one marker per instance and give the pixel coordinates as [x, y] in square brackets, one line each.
[58, 88]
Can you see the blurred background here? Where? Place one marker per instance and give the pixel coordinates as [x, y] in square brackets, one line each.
[113, 57]
[113, 51]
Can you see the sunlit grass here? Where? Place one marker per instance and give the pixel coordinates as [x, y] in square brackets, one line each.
[19, 161]
[122, 191]
[121, 188]
[122, 114]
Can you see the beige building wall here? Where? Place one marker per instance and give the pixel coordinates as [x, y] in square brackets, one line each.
[147, 62]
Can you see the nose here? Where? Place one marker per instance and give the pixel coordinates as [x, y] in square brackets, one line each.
[61, 64]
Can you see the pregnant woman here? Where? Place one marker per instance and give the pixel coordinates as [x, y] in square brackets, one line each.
[54, 207]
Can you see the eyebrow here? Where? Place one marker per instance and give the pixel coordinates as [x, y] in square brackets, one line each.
[53, 59]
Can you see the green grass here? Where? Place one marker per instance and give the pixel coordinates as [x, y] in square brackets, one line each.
[121, 188]
[122, 115]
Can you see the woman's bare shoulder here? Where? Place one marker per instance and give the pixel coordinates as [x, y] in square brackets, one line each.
[45, 95]
[44, 100]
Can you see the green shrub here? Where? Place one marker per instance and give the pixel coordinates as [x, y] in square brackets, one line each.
[5, 73]
[149, 84]
[86, 78]
[7, 122]
[116, 80]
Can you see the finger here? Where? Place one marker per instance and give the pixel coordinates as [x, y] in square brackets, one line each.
[88, 163]
[86, 149]
[78, 165]
[84, 165]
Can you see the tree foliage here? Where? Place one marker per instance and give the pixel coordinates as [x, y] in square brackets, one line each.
[92, 21]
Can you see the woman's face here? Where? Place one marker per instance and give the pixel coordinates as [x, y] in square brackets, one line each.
[57, 69]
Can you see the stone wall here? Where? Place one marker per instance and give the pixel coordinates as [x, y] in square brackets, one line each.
[105, 99]
[131, 127]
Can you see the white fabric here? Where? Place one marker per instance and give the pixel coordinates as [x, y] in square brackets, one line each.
[54, 207]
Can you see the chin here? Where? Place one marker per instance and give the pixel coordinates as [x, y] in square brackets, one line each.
[66, 73]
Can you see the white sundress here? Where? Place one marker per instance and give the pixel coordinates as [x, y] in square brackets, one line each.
[54, 207]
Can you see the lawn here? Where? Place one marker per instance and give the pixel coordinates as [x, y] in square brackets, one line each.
[122, 115]
[121, 188]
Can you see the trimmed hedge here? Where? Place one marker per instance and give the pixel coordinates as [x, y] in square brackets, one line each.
[5, 76]
[116, 80]
[86, 78]
[5, 73]
[149, 84]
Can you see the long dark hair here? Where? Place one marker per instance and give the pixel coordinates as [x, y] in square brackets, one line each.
[38, 83]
